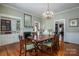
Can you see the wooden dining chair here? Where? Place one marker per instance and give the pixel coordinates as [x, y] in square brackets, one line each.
[29, 46]
[26, 45]
[51, 44]
[48, 44]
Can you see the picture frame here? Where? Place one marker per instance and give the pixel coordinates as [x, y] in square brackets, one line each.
[73, 22]
[5, 26]
[27, 20]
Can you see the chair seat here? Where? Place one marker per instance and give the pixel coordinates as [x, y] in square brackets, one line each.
[48, 43]
[29, 46]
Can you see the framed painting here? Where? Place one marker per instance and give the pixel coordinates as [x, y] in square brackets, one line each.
[27, 20]
[5, 26]
[73, 22]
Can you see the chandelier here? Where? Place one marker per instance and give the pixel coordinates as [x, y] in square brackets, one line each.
[48, 14]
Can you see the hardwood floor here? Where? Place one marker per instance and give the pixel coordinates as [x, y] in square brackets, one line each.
[71, 49]
[9, 50]
[66, 49]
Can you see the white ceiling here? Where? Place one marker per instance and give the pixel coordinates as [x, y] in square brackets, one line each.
[39, 8]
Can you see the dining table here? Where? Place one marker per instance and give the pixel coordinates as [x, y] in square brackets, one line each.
[41, 38]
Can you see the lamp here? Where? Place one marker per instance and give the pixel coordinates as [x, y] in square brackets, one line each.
[48, 14]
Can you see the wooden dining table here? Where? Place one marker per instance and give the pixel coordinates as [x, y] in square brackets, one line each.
[42, 38]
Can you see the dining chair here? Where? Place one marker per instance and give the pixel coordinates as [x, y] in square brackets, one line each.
[52, 44]
[49, 44]
[29, 46]
[26, 45]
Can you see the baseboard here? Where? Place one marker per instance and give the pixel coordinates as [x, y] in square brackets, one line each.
[9, 44]
[71, 43]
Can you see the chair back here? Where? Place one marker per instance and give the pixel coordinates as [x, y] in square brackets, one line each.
[56, 41]
[21, 41]
[27, 34]
[20, 37]
[34, 35]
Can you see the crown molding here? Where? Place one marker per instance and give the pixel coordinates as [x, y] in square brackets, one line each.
[13, 8]
[66, 10]
[9, 16]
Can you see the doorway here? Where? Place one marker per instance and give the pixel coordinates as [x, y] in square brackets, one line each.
[60, 28]
[36, 28]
